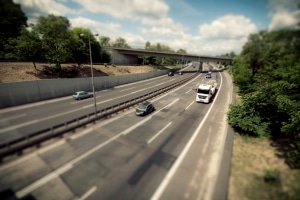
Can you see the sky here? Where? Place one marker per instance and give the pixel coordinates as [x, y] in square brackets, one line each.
[202, 27]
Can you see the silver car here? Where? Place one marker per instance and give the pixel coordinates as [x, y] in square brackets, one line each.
[82, 95]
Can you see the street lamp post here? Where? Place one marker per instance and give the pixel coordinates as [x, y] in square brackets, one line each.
[199, 65]
[181, 62]
[92, 73]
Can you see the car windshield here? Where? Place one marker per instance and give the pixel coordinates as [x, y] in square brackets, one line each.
[202, 91]
[142, 106]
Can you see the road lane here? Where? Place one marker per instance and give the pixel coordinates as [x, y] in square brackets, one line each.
[71, 151]
[114, 160]
[195, 175]
[50, 114]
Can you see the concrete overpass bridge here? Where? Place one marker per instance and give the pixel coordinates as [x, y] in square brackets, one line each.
[126, 56]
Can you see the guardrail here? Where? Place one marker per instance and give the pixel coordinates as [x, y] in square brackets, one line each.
[36, 138]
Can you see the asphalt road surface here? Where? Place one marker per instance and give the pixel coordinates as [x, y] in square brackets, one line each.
[172, 153]
[22, 120]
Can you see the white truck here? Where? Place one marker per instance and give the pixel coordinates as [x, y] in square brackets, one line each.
[205, 92]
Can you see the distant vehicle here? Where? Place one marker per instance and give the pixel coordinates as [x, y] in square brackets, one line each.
[180, 73]
[144, 108]
[170, 74]
[208, 75]
[82, 95]
[205, 92]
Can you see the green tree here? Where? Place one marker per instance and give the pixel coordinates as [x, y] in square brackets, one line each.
[26, 47]
[104, 41]
[12, 20]
[268, 71]
[105, 55]
[56, 38]
[182, 51]
[79, 49]
[147, 45]
[120, 42]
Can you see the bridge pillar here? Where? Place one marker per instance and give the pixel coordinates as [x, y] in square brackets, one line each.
[200, 66]
[123, 59]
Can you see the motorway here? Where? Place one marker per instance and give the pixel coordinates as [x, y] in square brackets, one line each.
[173, 153]
[23, 120]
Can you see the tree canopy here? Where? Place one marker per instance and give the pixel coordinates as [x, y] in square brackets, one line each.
[56, 37]
[12, 20]
[267, 73]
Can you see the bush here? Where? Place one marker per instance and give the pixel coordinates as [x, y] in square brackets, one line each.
[294, 155]
[66, 72]
[272, 177]
[246, 121]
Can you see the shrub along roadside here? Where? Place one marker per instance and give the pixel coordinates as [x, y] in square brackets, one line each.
[268, 81]
[267, 73]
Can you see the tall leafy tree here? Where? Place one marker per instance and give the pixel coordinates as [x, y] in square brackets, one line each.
[120, 42]
[12, 20]
[26, 47]
[182, 51]
[147, 45]
[105, 55]
[268, 73]
[104, 41]
[79, 48]
[56, 38]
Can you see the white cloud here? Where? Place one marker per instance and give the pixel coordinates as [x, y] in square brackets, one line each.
[283, 14]
[228, 27]
[148, 12]
[36, 8]
[223, 35]
[103, 29]
[145, 11]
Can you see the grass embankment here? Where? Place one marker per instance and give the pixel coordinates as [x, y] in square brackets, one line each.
[259, 171]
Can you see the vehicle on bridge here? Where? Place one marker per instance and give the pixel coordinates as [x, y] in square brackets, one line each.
[205, 92]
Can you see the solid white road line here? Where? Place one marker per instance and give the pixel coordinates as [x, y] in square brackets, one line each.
[18, 126]
[12, 117]
[189, 105]
[42, 181]
[126, 89]
[15, 108]
[28, 189]
[163, 185]
[157, 134]
[188, 91]
[36, 121]
[88, 193]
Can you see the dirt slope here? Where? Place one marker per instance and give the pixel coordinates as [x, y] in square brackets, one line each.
[24, 71]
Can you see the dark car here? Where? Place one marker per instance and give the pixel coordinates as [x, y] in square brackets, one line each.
[180, 73]
[170, 74]
[208, 75]
[144, 108]
[82, 95]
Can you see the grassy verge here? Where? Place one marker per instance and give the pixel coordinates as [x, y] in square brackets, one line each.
[258, 172]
